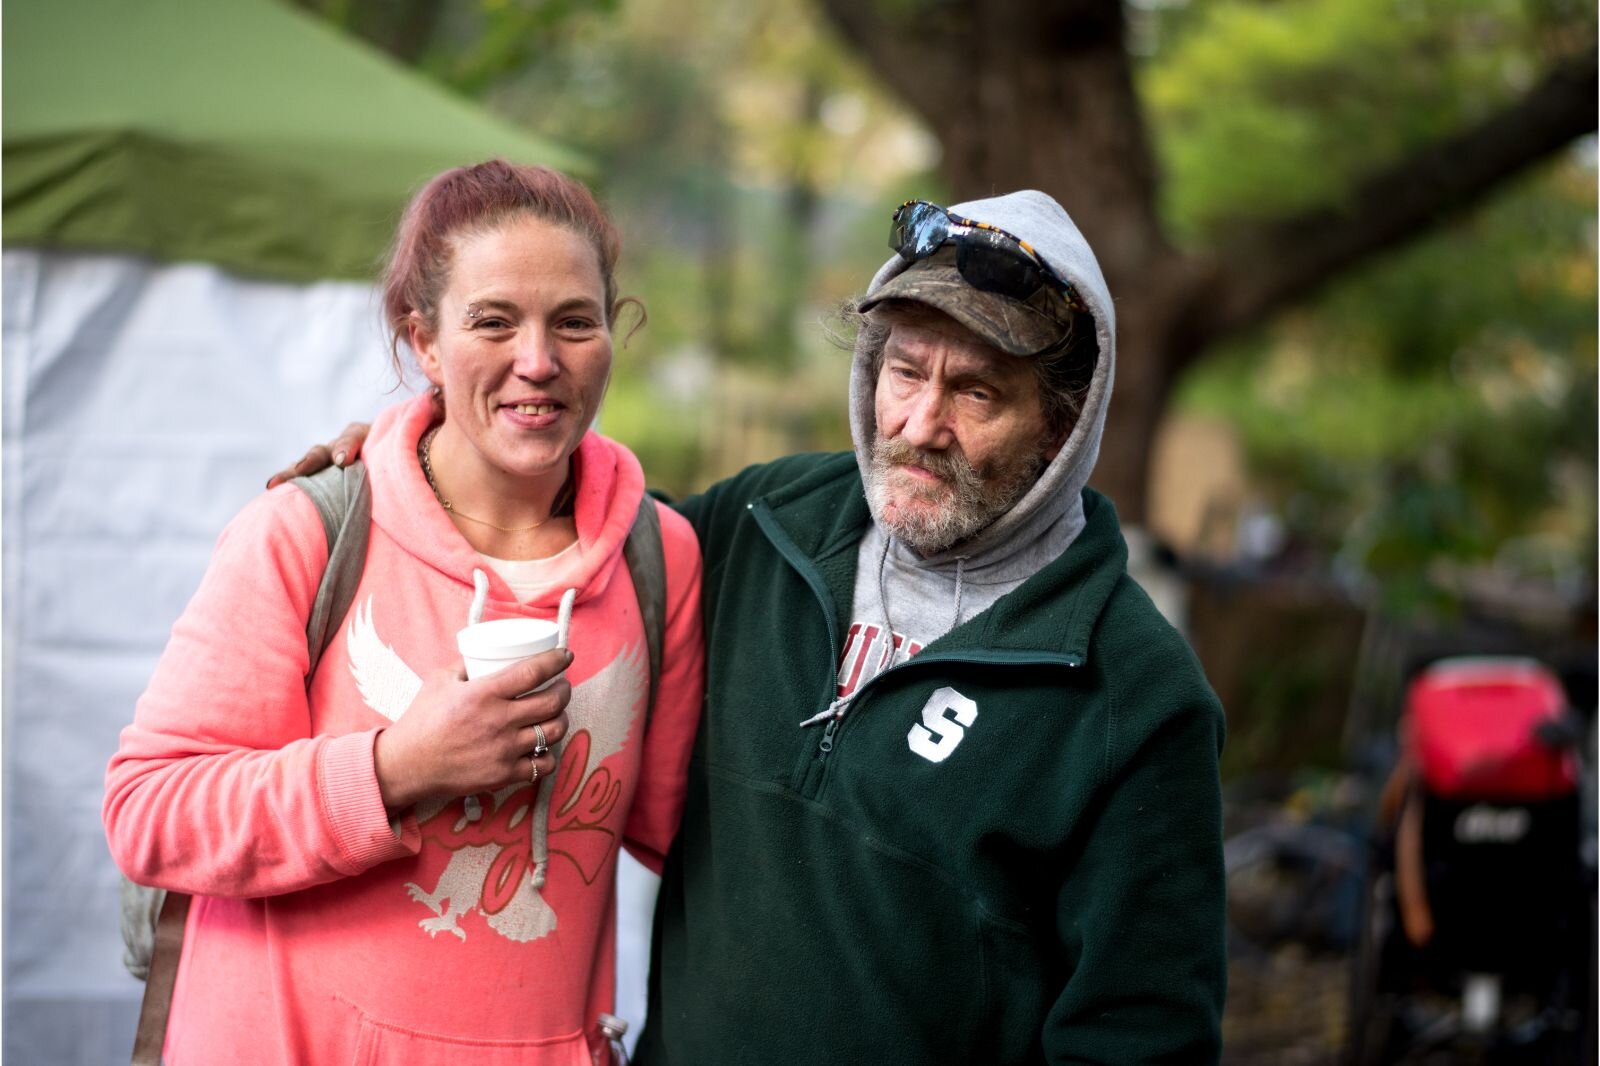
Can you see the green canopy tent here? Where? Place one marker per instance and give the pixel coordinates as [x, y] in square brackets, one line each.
[197, 196]
[238, 132]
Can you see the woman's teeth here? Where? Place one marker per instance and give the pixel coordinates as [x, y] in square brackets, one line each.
[534, 408]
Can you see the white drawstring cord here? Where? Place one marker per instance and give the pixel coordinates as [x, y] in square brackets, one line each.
[541, 795]
[961, 563]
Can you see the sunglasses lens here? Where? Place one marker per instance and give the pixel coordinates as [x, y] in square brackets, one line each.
[987, 258]
[919, 230]
[987, 263]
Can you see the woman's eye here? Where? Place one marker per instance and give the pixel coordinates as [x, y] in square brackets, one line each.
[492, 322]
[577, 325]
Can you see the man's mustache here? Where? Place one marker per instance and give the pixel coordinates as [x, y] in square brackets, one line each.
[949, 465]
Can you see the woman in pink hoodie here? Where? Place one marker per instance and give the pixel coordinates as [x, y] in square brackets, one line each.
[358, 841]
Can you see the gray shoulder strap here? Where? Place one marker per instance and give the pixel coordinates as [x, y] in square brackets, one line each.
[647, 563]
[344, 501]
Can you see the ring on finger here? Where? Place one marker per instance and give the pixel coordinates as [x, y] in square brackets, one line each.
[535, 776]
[539, 745]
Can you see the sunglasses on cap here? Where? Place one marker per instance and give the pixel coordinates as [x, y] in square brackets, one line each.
[987, 257]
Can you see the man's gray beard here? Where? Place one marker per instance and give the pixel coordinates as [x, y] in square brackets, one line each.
[971, 501]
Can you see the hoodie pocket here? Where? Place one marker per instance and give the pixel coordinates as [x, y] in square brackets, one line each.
[383, 1044]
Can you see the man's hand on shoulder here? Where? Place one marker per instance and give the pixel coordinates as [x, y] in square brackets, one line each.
[341, 451]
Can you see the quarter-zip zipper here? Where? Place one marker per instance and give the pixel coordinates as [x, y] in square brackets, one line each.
[827, 736]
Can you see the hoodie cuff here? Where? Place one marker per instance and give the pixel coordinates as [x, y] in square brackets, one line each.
[353, 805]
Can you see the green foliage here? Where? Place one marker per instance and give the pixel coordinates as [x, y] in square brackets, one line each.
[1439, 406]
[1440, 403]
[653, 425]
[1264, 109]
[505, 36]
[1436, 405]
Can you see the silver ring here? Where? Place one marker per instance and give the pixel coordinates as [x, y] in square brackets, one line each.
[535, 778]
[539, 745]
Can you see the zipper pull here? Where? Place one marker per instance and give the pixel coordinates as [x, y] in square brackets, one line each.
[827, 736]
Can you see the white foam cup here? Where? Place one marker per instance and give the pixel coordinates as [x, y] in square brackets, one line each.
[489, 647]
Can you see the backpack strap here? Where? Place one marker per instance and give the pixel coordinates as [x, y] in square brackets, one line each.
[151, 1035]
[344, 503]
[647, 563]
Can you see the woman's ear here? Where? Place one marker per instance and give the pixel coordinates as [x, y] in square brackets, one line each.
[423, 343]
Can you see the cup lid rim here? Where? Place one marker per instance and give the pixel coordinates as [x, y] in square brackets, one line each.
[496, 639]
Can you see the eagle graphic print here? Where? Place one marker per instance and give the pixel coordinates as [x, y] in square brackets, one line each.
[488, 837]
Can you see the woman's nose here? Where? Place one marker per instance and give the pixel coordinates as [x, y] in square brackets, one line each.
[535, 358]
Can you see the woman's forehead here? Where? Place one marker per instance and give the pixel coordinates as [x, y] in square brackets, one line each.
[525, 253]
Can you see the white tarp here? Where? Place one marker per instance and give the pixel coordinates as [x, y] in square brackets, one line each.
[143, 405]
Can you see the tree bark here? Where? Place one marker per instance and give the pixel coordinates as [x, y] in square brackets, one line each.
[1039, 94]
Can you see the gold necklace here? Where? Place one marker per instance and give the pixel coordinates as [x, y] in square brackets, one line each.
[423, 452]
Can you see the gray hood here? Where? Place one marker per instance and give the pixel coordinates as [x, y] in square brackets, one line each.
[1054, 505]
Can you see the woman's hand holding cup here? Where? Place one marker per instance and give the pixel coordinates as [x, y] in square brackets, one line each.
[462, 736]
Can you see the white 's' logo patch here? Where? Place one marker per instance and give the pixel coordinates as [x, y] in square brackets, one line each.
[945, 718]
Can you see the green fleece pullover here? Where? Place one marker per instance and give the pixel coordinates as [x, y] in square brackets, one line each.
[1008, 852]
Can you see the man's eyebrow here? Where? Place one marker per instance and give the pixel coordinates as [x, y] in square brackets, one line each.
[986, 377]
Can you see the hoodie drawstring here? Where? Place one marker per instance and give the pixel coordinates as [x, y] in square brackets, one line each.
[883, 595]
[961, 563]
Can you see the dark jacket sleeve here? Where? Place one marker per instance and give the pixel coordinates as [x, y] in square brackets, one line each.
[1141, 914]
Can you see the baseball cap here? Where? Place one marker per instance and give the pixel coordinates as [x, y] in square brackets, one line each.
[1014, 326]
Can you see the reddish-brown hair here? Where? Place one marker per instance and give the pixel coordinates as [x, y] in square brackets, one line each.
[477, 199]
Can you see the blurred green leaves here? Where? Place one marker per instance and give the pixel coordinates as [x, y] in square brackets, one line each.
[1436, 405]
[1440, 406]
[1263, 109]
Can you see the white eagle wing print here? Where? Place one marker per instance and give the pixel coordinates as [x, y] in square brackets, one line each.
[384, 680]
[622, 685]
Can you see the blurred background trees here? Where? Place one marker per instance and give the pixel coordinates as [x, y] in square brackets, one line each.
[1358, 236]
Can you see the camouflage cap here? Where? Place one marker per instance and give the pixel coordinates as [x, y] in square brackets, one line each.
[1014, 327]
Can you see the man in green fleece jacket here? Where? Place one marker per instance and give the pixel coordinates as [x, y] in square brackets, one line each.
[954, 797]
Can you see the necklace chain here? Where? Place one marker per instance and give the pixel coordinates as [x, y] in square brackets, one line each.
[424, 451]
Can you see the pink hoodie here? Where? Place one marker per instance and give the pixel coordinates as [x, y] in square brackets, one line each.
[318, 934]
